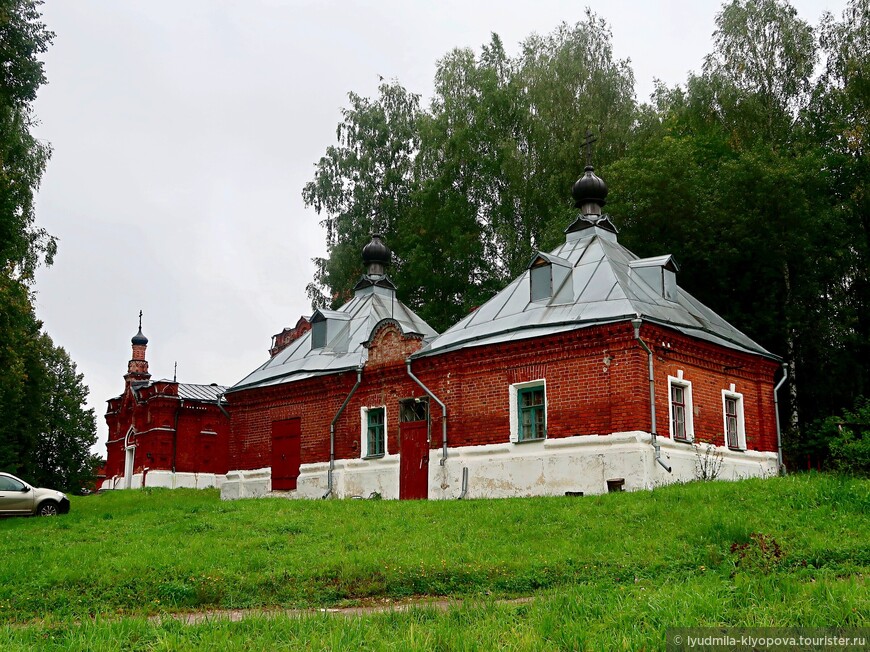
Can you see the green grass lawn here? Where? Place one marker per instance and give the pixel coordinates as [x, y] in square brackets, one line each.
[607, 572]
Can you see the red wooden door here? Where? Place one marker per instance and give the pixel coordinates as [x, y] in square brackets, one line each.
[413, 461]
[286, 453]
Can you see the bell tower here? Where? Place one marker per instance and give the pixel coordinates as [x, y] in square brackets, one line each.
[137, 368]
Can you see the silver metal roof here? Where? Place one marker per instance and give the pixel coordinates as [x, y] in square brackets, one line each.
[204, 393]
[187, 391]
[345, 348]
[604, 291]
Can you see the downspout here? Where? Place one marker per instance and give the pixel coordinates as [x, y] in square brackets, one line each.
[175, 438]
[332, 432]
[652, 394]
[220, 404]
[779, 467]
[443, 411]
[464, 482]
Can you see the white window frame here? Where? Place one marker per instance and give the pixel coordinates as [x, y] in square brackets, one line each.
[513, 394]
[741, 422]
[679, 381]
[364, 432]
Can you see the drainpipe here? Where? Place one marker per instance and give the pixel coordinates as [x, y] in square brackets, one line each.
[332, 433]
[175, 438]
[220, 403]
[464, 482]
[779, 467]
[443, 410]
[652, 393]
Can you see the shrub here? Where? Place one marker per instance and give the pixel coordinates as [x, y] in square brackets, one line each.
[849, 439]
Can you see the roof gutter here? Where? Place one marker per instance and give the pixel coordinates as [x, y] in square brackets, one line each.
[779, 467]
[443, 411]
[637, 322]
[332, 432]
[586, 323]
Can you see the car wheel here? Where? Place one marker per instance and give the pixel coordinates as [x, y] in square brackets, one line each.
[48, 508]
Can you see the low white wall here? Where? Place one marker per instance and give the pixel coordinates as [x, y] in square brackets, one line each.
[168, 480]
[247, 484]
[541, 468]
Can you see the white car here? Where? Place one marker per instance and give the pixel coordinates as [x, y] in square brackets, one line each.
[18, 498]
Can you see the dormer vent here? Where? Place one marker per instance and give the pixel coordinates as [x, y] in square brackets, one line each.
[550, 279]
[660, 273]
[328, 330]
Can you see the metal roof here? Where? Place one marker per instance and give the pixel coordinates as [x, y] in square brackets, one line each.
[205, 393]
[345, 349]
[187, 391]
[604, 291]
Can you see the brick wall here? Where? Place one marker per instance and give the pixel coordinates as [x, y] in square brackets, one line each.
[153, 418]
[596, 383]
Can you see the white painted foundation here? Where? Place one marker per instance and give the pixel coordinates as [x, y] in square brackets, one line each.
[168, 480]
[542, 468]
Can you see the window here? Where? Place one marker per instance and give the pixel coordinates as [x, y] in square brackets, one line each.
[528, 411]
[550, 278]
[734, 427]
[375, 432]
[678, 411]
[414, 409]
[541, 281]
[10, 484]
[680, 406]
[318, 335]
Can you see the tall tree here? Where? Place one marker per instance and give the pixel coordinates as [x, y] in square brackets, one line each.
[749, 179]
[23, 37]
[45, 431]
[838, 118]
[362, 185]
[484, 175]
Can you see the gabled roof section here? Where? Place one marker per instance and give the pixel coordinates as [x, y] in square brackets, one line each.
[544, 258]
[604, 291]
[667, 261]
[346, 350]
[321, 315]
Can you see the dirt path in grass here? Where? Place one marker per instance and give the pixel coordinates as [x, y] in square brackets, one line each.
[385, 606]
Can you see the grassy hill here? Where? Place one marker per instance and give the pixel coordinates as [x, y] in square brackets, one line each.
[606, 572]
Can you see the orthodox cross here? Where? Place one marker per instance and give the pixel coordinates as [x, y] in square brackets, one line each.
[175, 372]
[587, 143]
[140, 320]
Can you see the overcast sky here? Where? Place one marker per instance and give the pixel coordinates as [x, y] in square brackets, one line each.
[184, 130]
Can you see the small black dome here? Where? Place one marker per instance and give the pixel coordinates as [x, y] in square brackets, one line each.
[376, 251]
[589, 188]
[139, 339]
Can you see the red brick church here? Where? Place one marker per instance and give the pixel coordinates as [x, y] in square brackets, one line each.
[593, 370]
[163, 433]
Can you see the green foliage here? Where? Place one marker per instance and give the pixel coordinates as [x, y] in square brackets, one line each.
[45, 432]
[23, 38]
[847, 438]
[611, 571]
[473, 185]
[741, 174]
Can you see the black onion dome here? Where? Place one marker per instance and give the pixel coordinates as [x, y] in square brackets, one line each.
[376, 251]
[590, 188]
[139, 339]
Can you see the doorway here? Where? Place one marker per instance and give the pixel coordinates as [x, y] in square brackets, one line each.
[286, 453]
